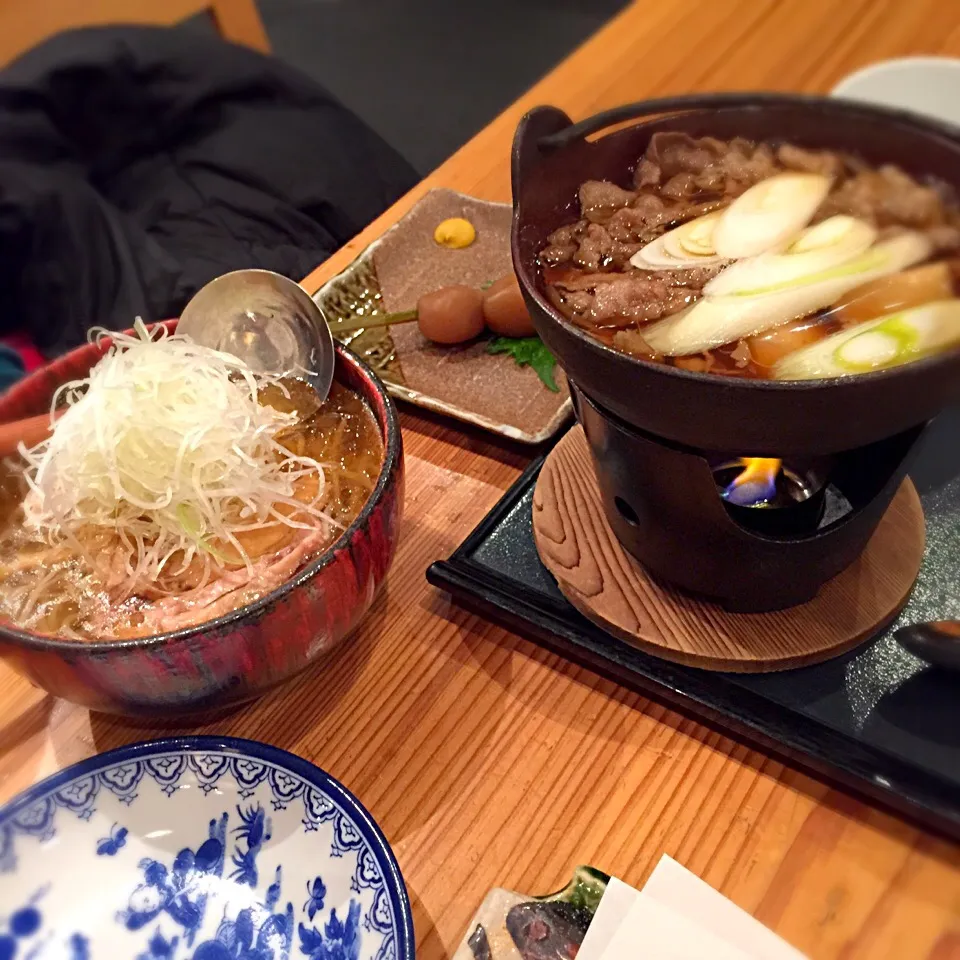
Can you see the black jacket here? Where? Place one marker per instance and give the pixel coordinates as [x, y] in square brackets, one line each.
[137, 163]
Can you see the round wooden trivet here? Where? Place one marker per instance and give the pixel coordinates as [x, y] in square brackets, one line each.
[602, 580]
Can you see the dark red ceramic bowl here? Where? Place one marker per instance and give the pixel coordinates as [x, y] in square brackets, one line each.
[241, 655]
[552, 157]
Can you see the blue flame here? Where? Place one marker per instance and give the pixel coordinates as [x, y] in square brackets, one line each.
[756, 484]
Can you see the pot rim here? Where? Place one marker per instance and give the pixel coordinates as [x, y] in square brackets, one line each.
[682, 105]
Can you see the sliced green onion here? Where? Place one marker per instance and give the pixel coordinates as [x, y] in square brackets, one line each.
[689, 245]
[871, 260]
[715, 321]
[878, 344]
[770, 214]
[820, 251]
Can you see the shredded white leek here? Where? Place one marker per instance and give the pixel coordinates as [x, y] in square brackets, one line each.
[166, 445]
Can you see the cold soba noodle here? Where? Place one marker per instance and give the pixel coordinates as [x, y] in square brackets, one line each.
[177, 486]
[761, 261]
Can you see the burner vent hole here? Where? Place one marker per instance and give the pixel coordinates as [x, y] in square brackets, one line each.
[626, 511]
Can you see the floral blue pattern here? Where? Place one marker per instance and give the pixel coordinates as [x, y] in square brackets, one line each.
[255, 832]
[169, 900]
[181, 891]
[338, 941]
[159, 948]
[257, 933]
[24, 928]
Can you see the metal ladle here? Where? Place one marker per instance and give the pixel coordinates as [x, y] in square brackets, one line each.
[266, 320]
[937, 642]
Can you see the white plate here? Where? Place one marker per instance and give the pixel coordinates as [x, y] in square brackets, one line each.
[927, 85]
[199, 848]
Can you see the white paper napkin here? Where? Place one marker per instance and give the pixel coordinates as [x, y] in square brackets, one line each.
[653, 930]
[614, 906]
[678, 888]
[676, 916]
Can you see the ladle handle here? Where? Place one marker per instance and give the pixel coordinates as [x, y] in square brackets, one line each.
[646, 109]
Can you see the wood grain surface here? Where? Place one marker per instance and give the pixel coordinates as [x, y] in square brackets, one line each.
[602, 580]
[488, 761]
[25, 23]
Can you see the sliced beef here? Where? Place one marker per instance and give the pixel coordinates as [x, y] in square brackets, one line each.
[647, 174]
[595, 248]
[568, 235]
[681, 186]
[908, 202]
[578, 306]
[600, 199]
[745, 166]
[572, 279]
[888, 197]
[670, 155]
[598, 249]
[631, 341]
[686, 168]
[642, 221]
[649, 216]
[677, 153]
[555, 254]
[614, 299]
[563, 243]
[640, 297]
[695, 278]
[944, 237]
[825, 162]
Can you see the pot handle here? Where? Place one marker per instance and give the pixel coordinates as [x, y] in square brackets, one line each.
[536, 126]
[698, 101]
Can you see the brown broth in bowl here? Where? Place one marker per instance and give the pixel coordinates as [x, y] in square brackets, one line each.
[52, 588]
[589, 277]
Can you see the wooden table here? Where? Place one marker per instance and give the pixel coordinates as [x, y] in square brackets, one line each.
[487, 760]
[25, 23]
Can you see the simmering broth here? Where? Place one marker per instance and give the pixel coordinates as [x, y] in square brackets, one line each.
[761, 260]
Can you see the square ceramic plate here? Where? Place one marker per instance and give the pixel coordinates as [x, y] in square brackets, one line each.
[466, 382]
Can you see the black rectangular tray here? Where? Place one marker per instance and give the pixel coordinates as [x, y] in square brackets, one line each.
[877, 720]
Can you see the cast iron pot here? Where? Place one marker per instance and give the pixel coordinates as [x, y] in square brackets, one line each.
[552, 157]
[248, 651]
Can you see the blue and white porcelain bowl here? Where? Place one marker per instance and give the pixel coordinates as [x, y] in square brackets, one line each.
[198, 848]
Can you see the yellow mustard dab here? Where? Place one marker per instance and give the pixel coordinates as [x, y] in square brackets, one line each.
[455, 233]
